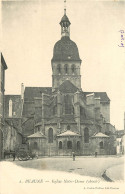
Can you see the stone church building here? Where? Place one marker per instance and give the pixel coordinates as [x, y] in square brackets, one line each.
[62, 119]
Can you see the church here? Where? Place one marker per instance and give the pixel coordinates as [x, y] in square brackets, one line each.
[62, 119]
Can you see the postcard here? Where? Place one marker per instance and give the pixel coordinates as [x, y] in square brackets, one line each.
[62, 96]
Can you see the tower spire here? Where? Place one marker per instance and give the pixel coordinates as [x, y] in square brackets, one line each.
[65, 23]
[64, 7]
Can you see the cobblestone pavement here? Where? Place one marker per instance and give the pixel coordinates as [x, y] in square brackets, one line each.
[87, 166]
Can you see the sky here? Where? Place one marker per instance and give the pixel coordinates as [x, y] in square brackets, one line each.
[31, 28]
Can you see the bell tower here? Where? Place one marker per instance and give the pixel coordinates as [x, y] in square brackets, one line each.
[66, 61]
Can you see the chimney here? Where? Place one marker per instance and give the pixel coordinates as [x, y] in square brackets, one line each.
[22, 91]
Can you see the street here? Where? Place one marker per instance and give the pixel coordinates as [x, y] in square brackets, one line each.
[86, 166]
[61, 175]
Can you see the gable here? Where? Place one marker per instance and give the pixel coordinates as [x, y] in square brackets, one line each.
[67, 87]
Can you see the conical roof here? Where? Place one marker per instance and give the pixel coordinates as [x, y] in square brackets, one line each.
[37, 135]
[99, 135]
[65, 19]
[68, 133]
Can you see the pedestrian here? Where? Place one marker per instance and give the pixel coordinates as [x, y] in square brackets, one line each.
[14, 156]
[73, 155]
[36, 154]
[95, 154]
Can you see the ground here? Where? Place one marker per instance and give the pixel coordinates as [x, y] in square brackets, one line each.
[116, 173]
[86, 166]
[61, 175]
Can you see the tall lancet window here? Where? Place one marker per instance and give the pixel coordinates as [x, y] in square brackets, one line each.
[50, 135]
[73, 69]
[86, 135]
[66, 68]
[10, 107]
[59, 68]
[68, 104]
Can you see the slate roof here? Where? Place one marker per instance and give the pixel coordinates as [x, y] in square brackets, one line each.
[65, 50]
[67, 87]
[99, 135]
[85, 121]
[103, 95]
[38, 124]
[31, 92]
[51, 121]
[68, 119]
[37, 135]
[120, 133]
[68, 133]
[62, 120]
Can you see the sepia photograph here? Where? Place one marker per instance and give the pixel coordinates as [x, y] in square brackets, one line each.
[62, 96]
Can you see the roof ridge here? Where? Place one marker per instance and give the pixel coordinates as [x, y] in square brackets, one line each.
[12, 94]
[37, 87]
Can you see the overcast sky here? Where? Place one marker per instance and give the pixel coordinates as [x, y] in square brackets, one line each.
[31, 28]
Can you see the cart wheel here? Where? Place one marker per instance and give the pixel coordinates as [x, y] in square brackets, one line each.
[19, 158]
[25, 159]
[22, 156]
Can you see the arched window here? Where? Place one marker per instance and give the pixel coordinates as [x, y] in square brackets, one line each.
[66, 68]
[69, 144]
[78, 145]
[68, 127]
[10, 107]
[86, 135]
[101, 145]
[60, 145]
[73, 68]
[35, 145]
[50, 135]
[59, 68]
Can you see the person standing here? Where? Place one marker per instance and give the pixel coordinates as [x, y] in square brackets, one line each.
[73, 155]
[14, 156]
[95, 154]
